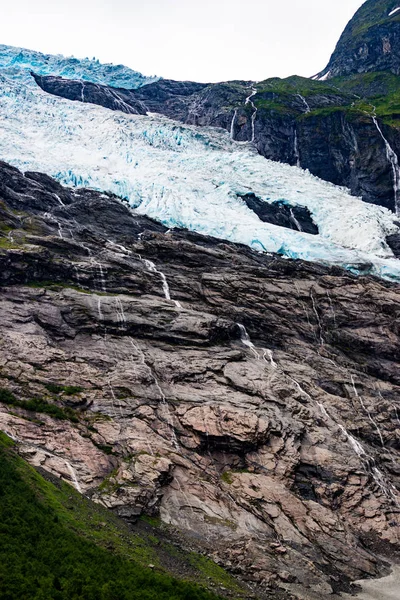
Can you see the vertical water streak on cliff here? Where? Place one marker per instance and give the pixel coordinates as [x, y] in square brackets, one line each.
[232, 131]
[254, 115]
[307, 106]
[367, 412]
[332, 308]
[151, 267]
[270, 355]
[394, 161]
[246, 341]
[307, 395]
[296, 149]
[73, 476]
[314, 306]
[295, 221]
[164, 402]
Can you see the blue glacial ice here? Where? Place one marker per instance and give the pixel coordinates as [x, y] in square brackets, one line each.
[19, 62]
[189, 177]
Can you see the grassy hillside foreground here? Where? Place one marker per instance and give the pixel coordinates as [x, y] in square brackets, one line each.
[55, 544]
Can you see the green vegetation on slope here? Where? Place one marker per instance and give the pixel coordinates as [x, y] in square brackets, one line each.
[355, 95]
[371, 14]
[38, 405]
[297, 85]
[57, 545]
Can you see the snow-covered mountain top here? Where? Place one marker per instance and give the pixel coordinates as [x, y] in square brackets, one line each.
[189, 177]
[19, 62]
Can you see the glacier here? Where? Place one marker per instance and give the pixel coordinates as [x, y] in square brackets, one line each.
[188, 177]
[19, 62]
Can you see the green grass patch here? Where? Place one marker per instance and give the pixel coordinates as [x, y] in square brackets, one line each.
[55, 544]
[68, 390]
[38, 405]
[227, 477]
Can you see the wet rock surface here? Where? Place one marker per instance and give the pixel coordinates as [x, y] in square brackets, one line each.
[250, 401]
[279, 213]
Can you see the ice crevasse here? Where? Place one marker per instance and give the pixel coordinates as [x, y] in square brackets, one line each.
[188, 177]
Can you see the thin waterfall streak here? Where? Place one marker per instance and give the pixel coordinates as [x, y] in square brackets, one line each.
[370, 465]
[151, 267]
[332, 308]
[314, 305]
[394, 162]
[254, 115]
[120, 313]
[295, 221]
[246, 341]
[160, 391]
[114, 399]
[302, 391]
[307, 106]
[100, 312]
[101, 277]
[355, 444]
[367, 412]
[232, 131]
[296, 149]
[270, 355]
[73, 476]
[57, 197]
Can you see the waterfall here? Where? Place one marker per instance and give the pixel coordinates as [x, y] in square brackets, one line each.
[233, 124]
[114, 400]
[57, 197]
[51, 217]
[367, 460]
[120, 312]
[331, 307]
[151, 267]
[307, 106]
[246, 341]
[73, 476]
[365, 409]
[355, 444]
[82, 92]
[302, 391]
[296, 149]
[254, 115]
[370, 465]
[394, 161]
[295, 221]
[101, 277]
[322, 341]
[101, 317]
[270, 355]
[160, 391]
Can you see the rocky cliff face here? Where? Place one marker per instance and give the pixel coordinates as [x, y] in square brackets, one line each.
[250, 401]
[369, 43]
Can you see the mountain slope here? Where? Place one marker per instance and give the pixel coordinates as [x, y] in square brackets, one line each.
[57, 544]
[370, 42]
[278, 459]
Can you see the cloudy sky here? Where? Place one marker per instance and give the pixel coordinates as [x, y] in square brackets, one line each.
[203, 40]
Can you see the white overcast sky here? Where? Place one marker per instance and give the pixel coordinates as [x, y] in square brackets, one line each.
[201, 40]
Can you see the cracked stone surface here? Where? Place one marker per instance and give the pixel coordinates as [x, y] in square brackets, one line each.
[279, 454]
